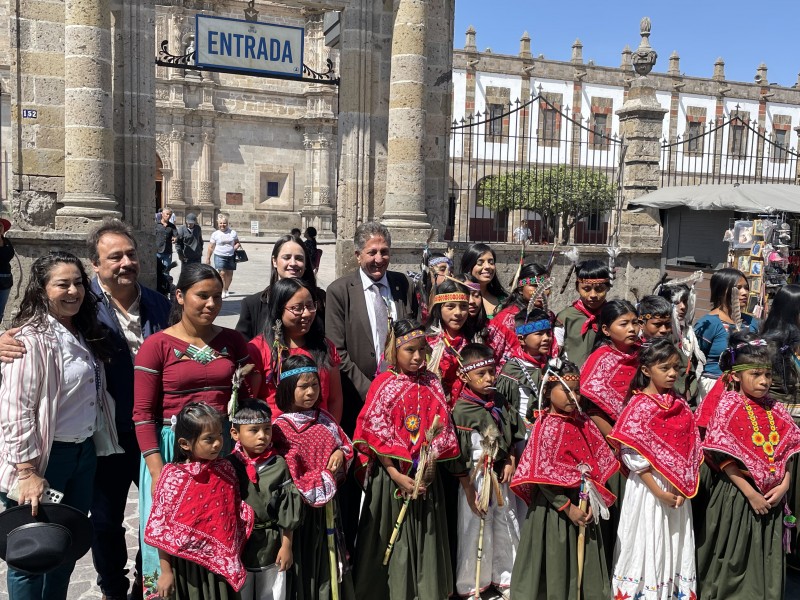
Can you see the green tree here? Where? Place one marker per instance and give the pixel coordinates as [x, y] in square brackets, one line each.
[569, 193]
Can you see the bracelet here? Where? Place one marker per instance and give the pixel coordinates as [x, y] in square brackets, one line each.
[24, 469]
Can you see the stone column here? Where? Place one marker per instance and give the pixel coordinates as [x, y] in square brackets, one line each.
[176, 185]
[206, 173]
[88, 116]
[404, 209]
[641, 121]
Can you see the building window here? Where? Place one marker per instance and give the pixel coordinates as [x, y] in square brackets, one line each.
[694, 137]
[273, 189]
[495, 120]
[593, 222]
[451, 211]
[599, 130]
[737, 143]
[779, 149]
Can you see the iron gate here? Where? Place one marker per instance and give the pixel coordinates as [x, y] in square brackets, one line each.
[533, 163]
[732, 150]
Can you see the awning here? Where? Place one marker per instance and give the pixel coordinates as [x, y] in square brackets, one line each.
[745, 197]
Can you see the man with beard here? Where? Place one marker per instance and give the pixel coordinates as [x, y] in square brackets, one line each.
[131, 312]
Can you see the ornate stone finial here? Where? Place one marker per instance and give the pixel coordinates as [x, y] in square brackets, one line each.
[577, 52]
[674, 64]
[525, 46]
[250, 13]
[719, 70]
[644, 59]
[626, 63]
[470, 45]
[761, 74]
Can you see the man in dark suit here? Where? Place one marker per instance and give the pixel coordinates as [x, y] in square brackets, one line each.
[359, 306]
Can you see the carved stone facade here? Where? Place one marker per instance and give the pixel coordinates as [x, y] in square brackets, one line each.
[268, 145]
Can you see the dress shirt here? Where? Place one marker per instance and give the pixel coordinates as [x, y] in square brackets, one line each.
[130, 322]
[369, 296]
[77, 407]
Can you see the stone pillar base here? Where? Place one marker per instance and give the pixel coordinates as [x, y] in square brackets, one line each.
[640, 229]
[409, 226]
[81, 211]
[321, 217]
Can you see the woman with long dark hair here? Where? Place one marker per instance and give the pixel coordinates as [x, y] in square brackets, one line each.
[729, 290]
[292, 328]
[479, 261]
[782, 330]
[193, 360]
[290, 259]
[55, 413]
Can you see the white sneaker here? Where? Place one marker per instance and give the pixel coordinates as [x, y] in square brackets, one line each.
[224, 294]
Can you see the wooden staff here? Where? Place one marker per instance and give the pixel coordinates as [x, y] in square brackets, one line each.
[583, 505]
[480, 556]
[489, 487]
[330, 524]
[427, 461]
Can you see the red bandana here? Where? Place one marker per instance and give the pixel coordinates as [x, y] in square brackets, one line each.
[606, 378]
[198, 515]
[398, 411]
[708, 405]
[251, 464]
[729, 431]
[558, 444]
[591, 320]
[662, 430]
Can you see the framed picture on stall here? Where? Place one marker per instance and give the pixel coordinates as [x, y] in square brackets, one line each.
[758, 229]
[753, 300]
[743, 234]
[743, 263]
[755, 285]
[757, 249]
[756, 267]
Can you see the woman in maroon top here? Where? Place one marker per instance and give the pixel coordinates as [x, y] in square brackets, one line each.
[191, 361]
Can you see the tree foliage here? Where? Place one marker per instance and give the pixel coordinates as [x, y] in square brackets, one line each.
[570, 193]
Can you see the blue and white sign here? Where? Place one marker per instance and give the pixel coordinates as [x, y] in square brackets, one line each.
[249, 46]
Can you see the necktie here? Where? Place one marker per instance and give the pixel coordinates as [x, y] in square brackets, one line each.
[381, 317]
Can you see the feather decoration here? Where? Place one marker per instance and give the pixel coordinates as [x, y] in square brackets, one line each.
[736, 309]
[613, 254]
[515, 279]
[437, 351]
[278, 349]
[426, 465]
[489, 485]
[540, 293]
[599, 507]
[573, 255]
[236, 383]
[551, 261]
[450, 253]
[527, 376]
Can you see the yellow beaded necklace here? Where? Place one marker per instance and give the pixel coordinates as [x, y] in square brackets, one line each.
[766, 444]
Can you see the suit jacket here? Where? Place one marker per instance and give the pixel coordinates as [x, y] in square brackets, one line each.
[347, 327]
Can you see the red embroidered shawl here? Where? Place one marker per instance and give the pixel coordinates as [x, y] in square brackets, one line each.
[198, 515]
[667, 437]
[729, 431]
[448, 365]
[381, 425]
[306, 440]
[558, 444]
[708, 405]
[606, 377]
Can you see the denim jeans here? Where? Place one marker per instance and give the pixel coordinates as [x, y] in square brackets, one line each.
[70, 470]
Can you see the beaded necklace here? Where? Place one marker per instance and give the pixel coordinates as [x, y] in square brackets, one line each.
[766, 444]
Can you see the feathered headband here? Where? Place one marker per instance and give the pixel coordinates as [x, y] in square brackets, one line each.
[554, 365]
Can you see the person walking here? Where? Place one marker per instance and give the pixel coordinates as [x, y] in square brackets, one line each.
[189, 241]
[223, 245]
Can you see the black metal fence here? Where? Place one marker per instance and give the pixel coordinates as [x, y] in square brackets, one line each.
[532, 170]
[732, 150]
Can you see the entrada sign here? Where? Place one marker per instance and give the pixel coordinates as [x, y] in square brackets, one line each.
[249, 46]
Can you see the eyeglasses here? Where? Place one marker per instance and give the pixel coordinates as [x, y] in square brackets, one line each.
[298, 309]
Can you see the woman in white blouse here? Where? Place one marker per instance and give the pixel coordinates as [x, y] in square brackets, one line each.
[55, 413]
[223, 244]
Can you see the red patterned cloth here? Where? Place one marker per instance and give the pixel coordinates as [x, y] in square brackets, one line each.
[198, 515]
[448, 365]
[591, 317]
[708, 405]
[662, 429]
[558, 444]
[505, 318]
[384, 426]
[306, 441]
[251, 464]
[730, 432]
[606, 377]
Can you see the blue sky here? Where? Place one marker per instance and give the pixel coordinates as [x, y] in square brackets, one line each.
[744, 34]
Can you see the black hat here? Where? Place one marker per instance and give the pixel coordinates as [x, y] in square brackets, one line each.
[59, 534]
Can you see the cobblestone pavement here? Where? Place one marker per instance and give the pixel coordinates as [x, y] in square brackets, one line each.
[250, 277]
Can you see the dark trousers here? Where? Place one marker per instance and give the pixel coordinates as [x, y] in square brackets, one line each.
[115, 474]
[70, 470]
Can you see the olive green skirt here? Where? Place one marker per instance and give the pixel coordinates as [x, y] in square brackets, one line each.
[419, 567]
[546, 567]
[193, 582]
[739, 554]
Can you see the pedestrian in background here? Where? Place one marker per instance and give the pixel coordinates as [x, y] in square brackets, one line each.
[223, 244]
[189, 241]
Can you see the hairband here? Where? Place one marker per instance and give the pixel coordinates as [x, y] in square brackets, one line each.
[534, 327]
[557, 363]
[298, 371]
[537, 280]
[439, 260]
[404, 339]
[451, 297]
[593, 281]
[473, 286]
[486, 362]
[250, 421]
[571, 377]
[749, 367]
[757, 342]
